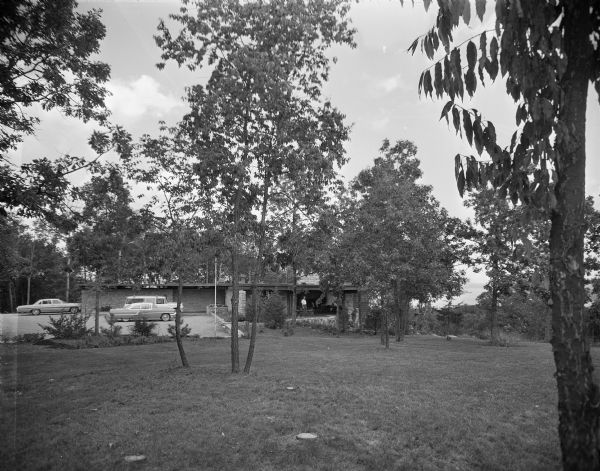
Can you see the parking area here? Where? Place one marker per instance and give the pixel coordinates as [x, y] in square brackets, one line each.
[12, 325]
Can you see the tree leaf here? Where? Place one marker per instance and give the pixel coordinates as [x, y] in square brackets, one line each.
[466, 14]
[480, 8]
[438, 81]
[427, 86]
[445, 110]
[468, 126]
[457, 165]
[478, 135]
[471, 55]
[470, 82]
[460, 182]
[456, 119]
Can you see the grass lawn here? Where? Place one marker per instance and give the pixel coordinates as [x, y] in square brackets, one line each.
[427, 403]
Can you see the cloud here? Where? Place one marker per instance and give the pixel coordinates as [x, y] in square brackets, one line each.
[390, 84]
[141, 97]
[380, 124]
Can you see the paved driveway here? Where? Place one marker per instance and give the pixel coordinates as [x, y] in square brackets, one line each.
[12, 325]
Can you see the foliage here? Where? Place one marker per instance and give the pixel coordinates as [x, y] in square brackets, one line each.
[268, 62]
[47, 61]
[391, 236]
[105, 242]
[273, 311]
[185, 330]
[549, 54]
[26, 338]
[30, 254]
[143, 328]
[511, 245]
[113, 330]
[68, 326]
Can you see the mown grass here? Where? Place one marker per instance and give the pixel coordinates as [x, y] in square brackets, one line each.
[426, 404]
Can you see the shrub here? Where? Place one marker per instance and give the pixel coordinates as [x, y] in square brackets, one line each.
[68, 326]
[142, 328]
[184, 330]
[24, 338]
[113, 330]
[273, 312]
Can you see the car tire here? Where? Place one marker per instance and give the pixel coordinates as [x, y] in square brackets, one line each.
[165, 317]
[74, 310]
[36, 312]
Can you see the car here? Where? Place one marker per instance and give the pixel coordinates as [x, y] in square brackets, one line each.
[50, 306]
[146, 311]
[151, 299]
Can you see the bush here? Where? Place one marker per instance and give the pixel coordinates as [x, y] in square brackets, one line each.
[273, 312]
[113, 330]
[68, 326]
[142, 328]
[184, 330]
[24, 338]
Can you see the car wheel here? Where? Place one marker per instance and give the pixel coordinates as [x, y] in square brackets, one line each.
[165, 317]
[74, 310]
[36, 312]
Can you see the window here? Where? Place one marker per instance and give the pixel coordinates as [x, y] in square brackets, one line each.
[134, 300]
[160, 300]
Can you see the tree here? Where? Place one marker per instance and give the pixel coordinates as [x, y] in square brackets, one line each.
[261, 115]
[46, 59]
[182, 211]
[391, 236]
[510, 246]
[549, 54]
[102, 243]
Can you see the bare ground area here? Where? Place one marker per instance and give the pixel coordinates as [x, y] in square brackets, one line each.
[426, 403]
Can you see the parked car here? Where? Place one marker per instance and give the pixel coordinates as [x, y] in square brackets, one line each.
[50, 306]
[147, 311]
[151, 299]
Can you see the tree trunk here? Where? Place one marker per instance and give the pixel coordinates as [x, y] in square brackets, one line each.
[397, 313]
[182, 354]
[235, 287]
[578, 395]
[337, 317]
[386, 328]
[97, 310]
[494, 317]
[258, 272]
[11, 295]
[401, 304]
[235, 301]
[294, 297]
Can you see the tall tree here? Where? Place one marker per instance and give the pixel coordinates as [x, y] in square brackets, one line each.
[510, 247]
[102, 242]
[400, 232]
[261, 115]
[548, 52]
[164, 166]
[47, 53]
[390, 235]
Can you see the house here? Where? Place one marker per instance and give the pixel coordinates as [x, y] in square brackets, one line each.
[197, 296]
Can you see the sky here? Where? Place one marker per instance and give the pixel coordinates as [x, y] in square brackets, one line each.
[374, 85]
